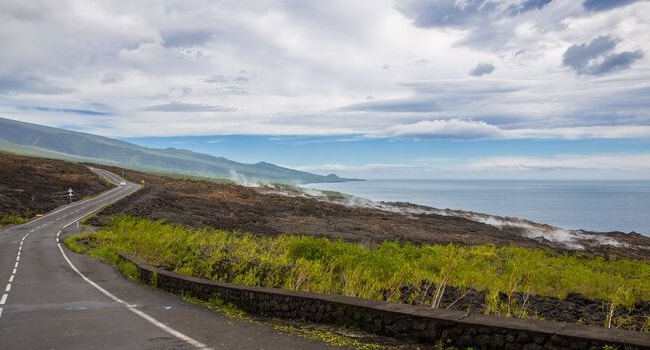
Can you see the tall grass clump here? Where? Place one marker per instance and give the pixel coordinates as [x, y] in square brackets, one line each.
[376, 271]
[13, 219]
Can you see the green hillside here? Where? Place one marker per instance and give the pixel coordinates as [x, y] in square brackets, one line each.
[37, 140]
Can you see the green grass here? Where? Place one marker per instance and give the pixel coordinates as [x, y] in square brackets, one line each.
[75, 244]
[369, 270]
[13, 219]
[328, 336]
[332, 338]
[334, 195]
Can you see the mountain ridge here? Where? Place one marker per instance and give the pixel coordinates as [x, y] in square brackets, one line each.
[44, 141]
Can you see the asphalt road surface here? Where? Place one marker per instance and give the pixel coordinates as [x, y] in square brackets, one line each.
[51, 298]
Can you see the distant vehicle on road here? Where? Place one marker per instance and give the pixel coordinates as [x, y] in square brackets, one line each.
[122, 183]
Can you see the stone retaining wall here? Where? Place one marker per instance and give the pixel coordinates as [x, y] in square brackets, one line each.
[422, 324]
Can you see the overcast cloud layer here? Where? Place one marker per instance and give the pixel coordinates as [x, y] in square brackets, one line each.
[420, 69]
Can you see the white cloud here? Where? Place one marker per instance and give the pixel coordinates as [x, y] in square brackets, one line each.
[344, 168]
[405, 170]
[299, 68]
[476, 129]
[585, 132]
[599, 162]
[567, 166]
[451, 128]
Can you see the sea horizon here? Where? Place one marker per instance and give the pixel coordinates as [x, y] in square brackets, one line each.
[593, 205]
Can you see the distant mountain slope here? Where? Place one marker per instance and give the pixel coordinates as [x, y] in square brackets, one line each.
[37, 140]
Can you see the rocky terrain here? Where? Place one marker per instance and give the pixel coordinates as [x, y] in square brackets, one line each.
[31, 186]
[575, 308]
[271, 210]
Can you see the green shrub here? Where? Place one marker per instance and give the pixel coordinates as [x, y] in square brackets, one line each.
[337, 267]
[13, 219]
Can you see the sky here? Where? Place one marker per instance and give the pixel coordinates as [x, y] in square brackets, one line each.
[522, 89]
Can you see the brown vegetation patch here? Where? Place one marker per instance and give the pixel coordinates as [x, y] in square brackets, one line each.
[30, 186]
[265, 211]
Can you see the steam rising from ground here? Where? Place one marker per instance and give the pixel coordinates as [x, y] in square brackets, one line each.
[571, 239]
[243, 180]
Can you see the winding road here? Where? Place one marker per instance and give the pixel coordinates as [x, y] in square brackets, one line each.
[52, 298]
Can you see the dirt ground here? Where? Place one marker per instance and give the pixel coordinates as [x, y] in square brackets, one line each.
[273, 210]
[41, 185]
[31, 186]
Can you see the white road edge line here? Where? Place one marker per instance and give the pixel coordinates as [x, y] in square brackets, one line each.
[195, 343]
[108, 194]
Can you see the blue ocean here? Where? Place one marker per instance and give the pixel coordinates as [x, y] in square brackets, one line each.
[588, 205]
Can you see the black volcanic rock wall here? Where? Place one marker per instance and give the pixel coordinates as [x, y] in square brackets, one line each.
[425, 325]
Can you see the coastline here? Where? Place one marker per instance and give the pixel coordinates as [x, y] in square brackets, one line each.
[594, 206]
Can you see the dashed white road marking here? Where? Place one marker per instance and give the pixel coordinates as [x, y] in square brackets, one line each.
[3, 299]
[193, 342]
[110, 196]
[84, 204]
